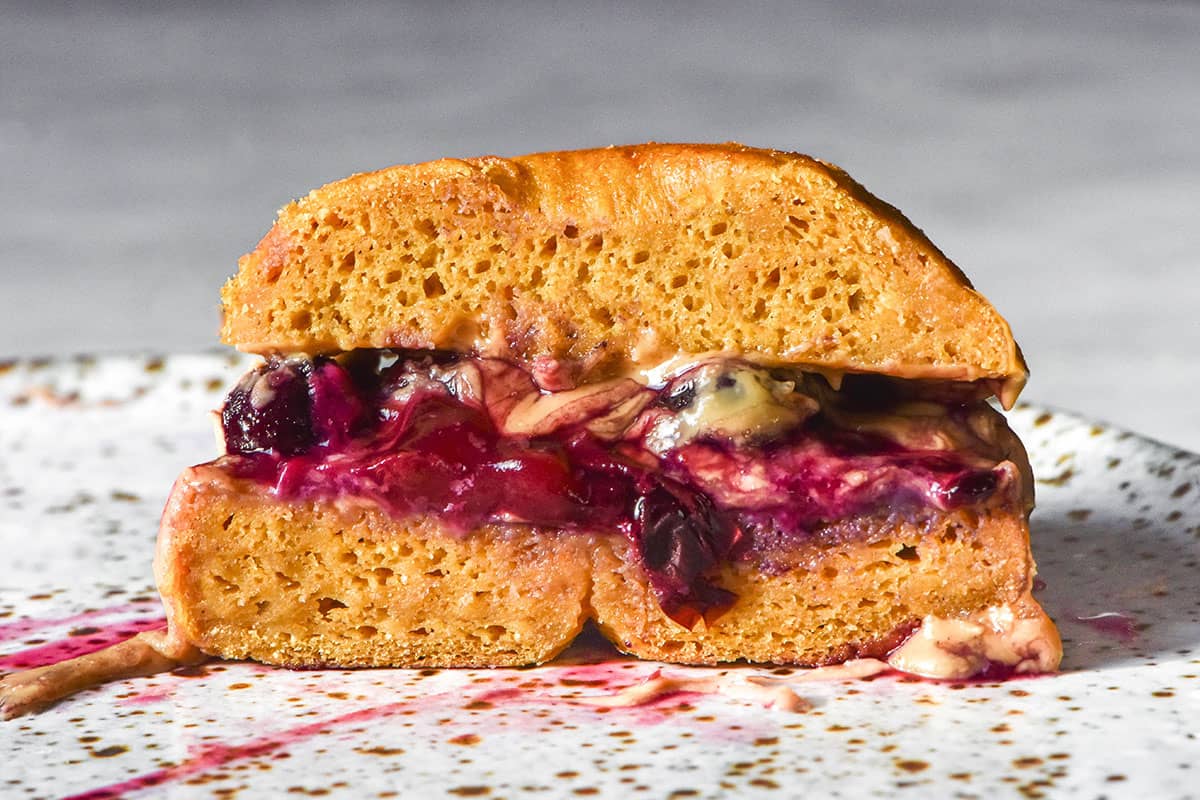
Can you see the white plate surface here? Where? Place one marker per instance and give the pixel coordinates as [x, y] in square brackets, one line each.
[90, 447]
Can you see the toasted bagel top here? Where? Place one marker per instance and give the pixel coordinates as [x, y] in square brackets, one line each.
[616, 256]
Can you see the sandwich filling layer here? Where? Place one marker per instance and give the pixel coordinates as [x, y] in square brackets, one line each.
[722, 460]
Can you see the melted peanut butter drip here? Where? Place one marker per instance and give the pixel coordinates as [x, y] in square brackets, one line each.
[146, 654]
[953, 649]
[659, 685]
[764, 690]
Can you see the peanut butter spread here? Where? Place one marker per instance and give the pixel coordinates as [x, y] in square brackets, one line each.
[964, 647]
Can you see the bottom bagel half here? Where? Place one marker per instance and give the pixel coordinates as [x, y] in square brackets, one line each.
[307, 584]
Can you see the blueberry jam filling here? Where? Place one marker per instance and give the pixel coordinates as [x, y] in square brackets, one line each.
[690, 472]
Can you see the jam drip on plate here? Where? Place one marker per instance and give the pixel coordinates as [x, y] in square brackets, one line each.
[473, 442]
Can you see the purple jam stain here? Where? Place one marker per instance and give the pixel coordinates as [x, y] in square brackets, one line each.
[74, 646]
[147, 698]
[495, 697]
[399, 433]
[208, 757]
[22, 628]
[587, 681]
[1113, 624]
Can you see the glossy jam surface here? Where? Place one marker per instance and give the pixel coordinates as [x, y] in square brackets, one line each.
[474, 442]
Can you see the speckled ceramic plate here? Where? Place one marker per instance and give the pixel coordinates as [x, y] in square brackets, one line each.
[90, 447]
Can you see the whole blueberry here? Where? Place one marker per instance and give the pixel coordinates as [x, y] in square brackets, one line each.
[681, 537]
[972, 487]
[270, 409]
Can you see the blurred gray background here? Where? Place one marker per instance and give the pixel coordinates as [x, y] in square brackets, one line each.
[1051, 149]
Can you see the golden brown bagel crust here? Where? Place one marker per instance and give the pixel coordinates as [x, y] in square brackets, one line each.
[245, 575]
[615, 255]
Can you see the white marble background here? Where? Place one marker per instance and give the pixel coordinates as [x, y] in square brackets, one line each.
[1051, 148]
